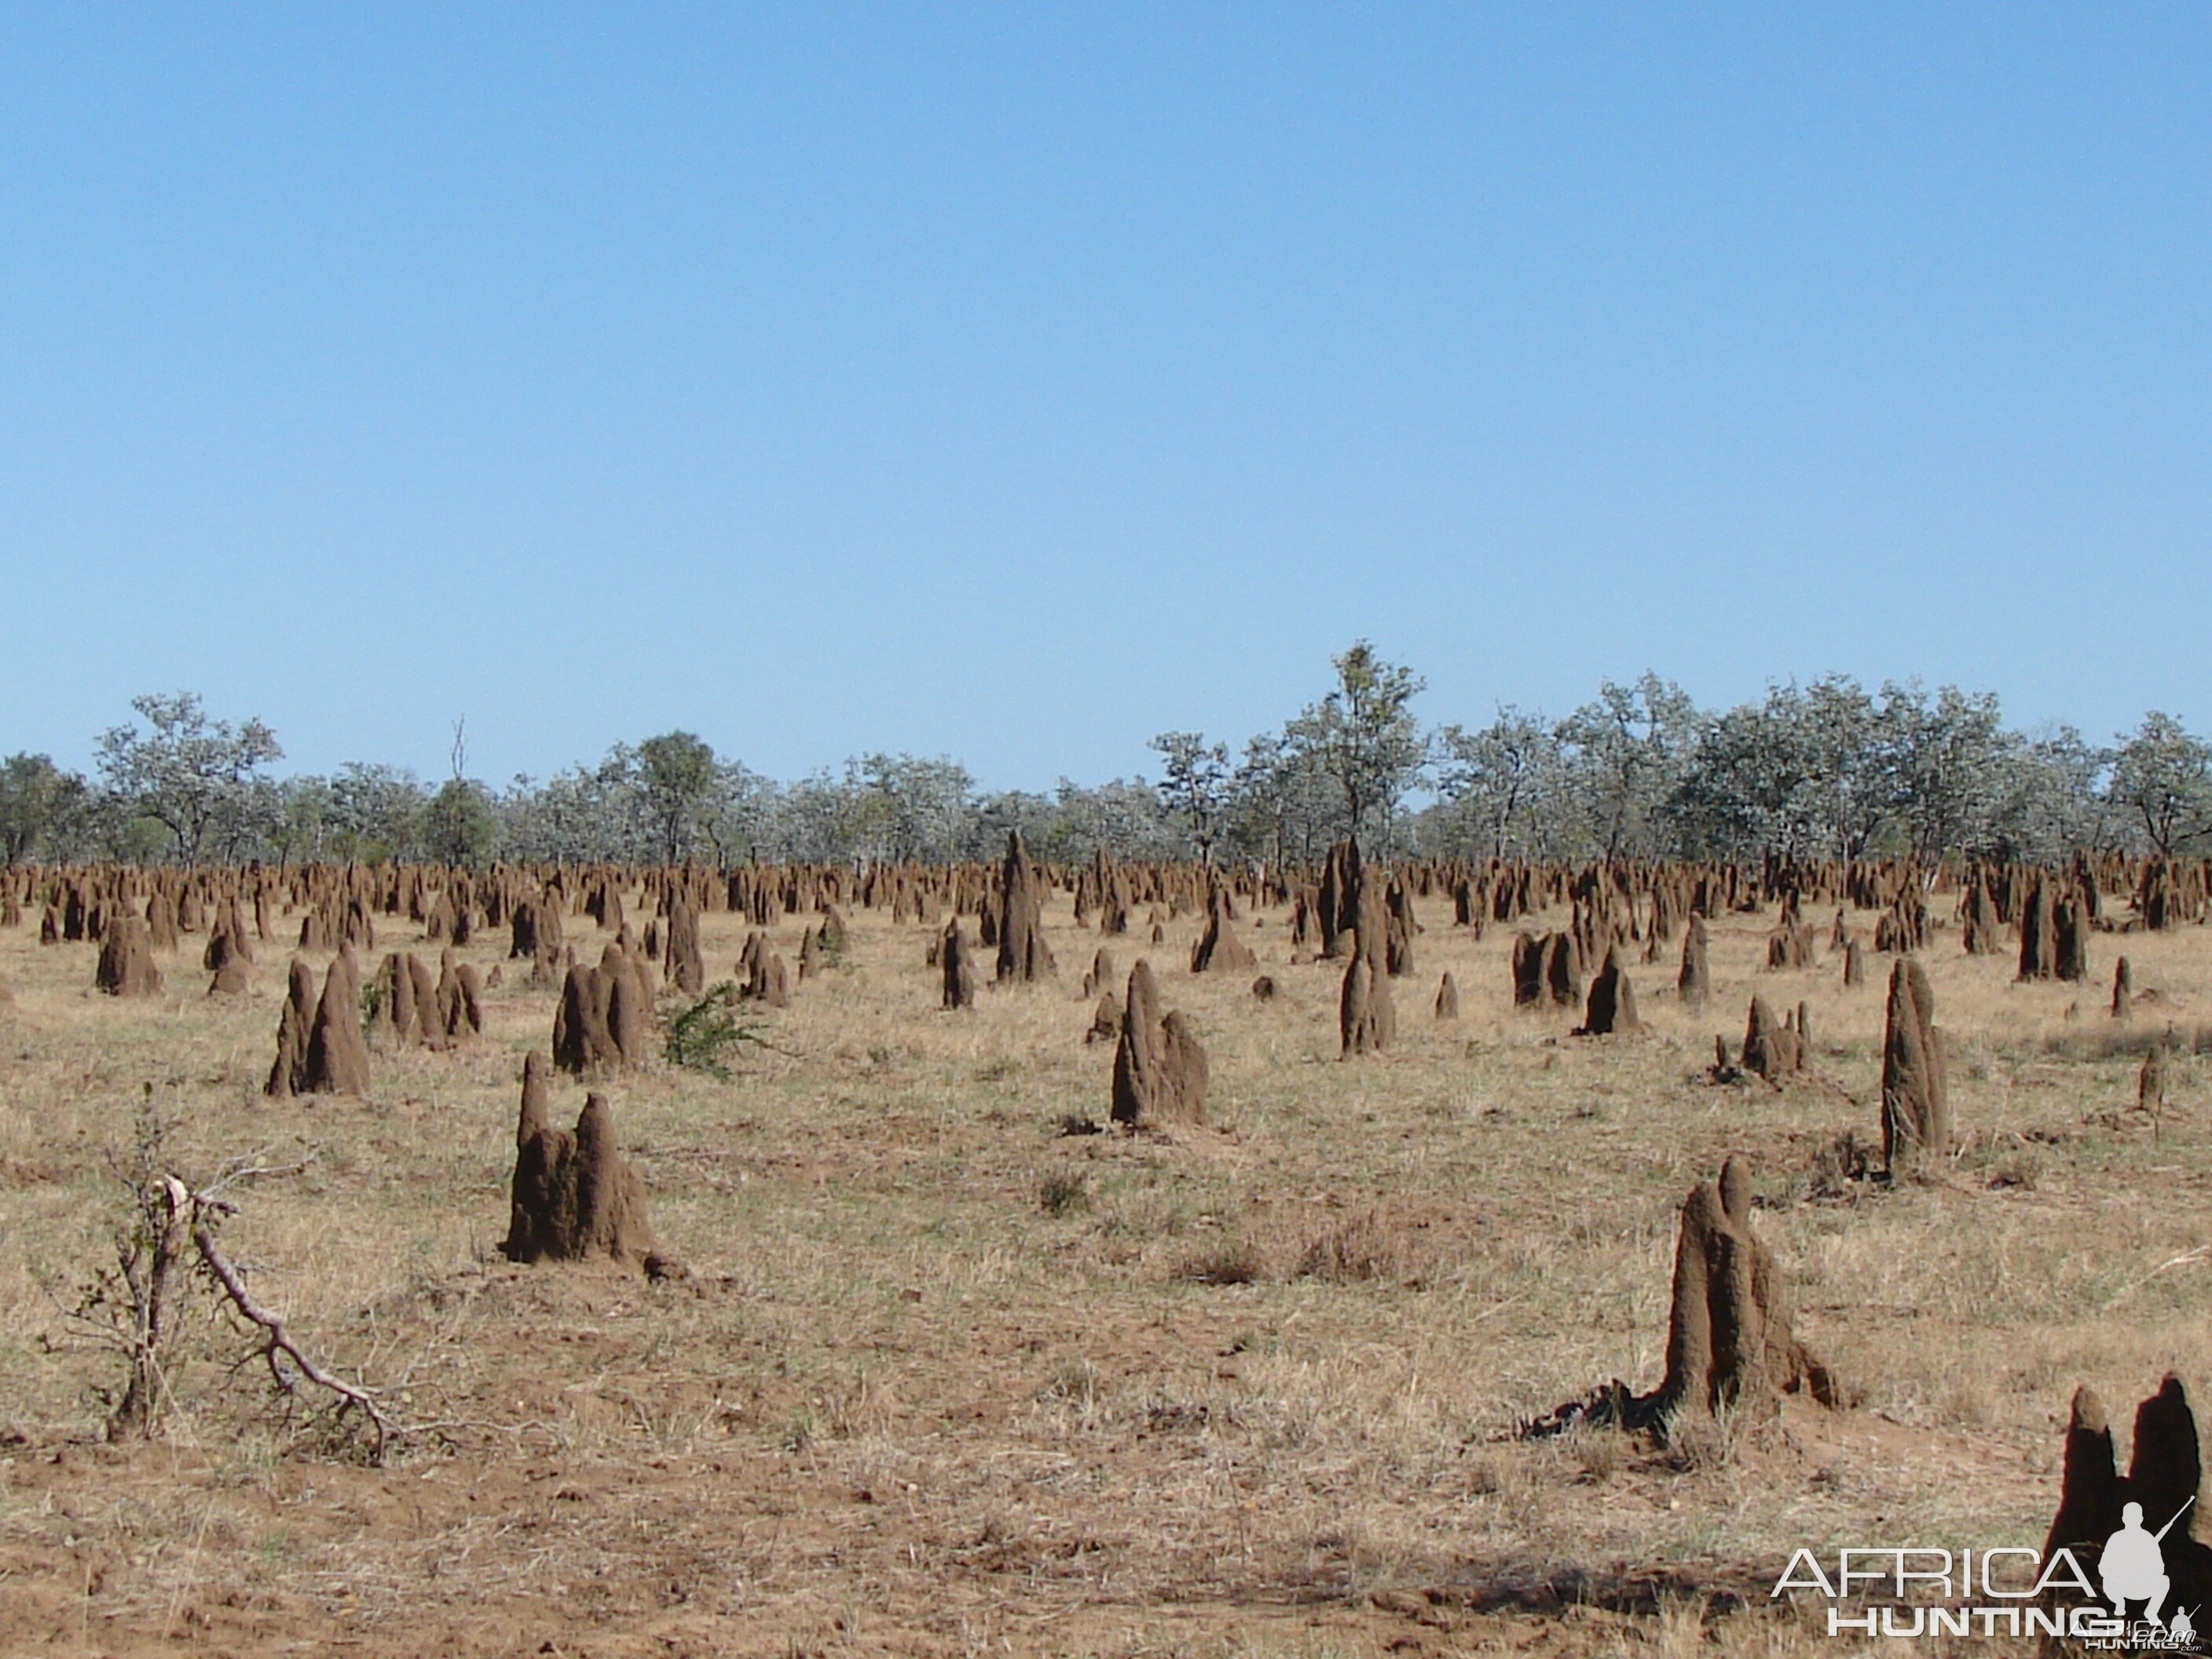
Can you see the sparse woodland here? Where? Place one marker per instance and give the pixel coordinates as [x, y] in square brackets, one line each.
[1107, 1256]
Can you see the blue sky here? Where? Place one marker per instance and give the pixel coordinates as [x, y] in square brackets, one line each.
[1018, 382]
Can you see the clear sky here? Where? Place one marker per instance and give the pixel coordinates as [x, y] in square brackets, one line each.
[1015, 382]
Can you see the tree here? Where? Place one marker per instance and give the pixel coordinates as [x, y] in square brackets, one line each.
[2162, 779]
[458, 826]
[191, 775]
[739, 811]
[1801, 775]
[2053, 804]
[1195, 787]
[38, 800]
[375, 812]
[1948, 762]
[1364, 737]
[676, 775]
[1499, 784]
[1629, 748]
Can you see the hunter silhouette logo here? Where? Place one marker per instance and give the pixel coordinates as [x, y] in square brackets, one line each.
[2133, 1566]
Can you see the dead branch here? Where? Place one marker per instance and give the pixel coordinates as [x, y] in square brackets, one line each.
[277, 1342]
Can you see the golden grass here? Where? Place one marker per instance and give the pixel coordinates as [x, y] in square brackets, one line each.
[1245, 1389]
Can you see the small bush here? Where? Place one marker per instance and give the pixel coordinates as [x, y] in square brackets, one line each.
[1363, 1247]
[706, 1036]
[1232, 1261]
[1064, 1191]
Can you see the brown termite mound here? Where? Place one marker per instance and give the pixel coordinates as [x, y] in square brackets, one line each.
[1612, 1008]
[957, 969]
[288, 1076]
[1915, 1108]
[1218, 949]
[1770, 1047]
[575, 1197]
[1694, 982]
[1730, 1340]
[2124, 989]
[1105, 1020]
[1159, 1069]
[687, 963]
[2150, 1082]
[338, 1053]
[1099, 977]
[1366, 1016]
[394, 1021]
[458, 1007]
[1023, 953]
[2163, 1484]
[126, 967]
[1447, 998]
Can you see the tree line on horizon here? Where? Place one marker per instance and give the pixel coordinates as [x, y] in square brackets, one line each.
[1813, 772]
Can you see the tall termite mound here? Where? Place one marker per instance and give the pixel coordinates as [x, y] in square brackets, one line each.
[605, 1021]
[1611, 1010]
[126, 967]
[1447, 998]
[287, 1076]
[338, 1053]
[686, 961]
[1023, 953]
[2165, 1477]
[1915, 1108]
[1159, 1069]
[1366, 1015]
[1730, 1340]
[575, 1197]
[1218, 949]
[958, 968]
[1694, 982]
[320, 1049]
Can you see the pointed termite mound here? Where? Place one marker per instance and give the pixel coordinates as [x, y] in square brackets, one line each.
[126, 967]
[2140, 1536]
[2150, 1081]
[1730, 1340]
[687, 963]
[1447, 998]
[459, 1006]
[393, 1019]
[1694, 982]
[1366, 1016]
[1915, 1108]
[1099, 975]
[605, 1018]
[1218, 949]
[575, 1197]
[1023, 953]
[2070, 921]
[288, 1076]
[1159, 1070]
[957, 968]
[338, 1053]
[2124, 989]
[2039, 932]
[1981, 927]
[1611, 1010]
[1770, 1047]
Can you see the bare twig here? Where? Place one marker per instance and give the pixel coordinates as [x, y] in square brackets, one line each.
[277, 1342]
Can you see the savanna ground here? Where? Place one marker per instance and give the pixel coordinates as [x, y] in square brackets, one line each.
[942, 1379]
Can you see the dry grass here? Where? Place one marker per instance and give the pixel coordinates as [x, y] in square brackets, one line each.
[944, 1379]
